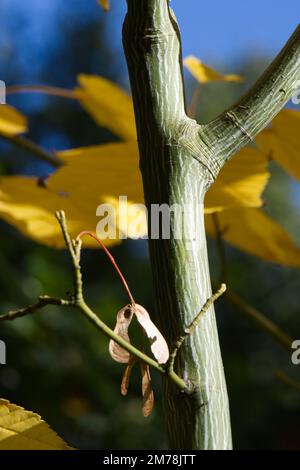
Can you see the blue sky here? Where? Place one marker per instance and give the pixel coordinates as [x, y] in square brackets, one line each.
[223, 31]
[220, 32]
[227, 29]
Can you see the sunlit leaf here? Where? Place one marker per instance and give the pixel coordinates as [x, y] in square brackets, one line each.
[147, 392]
[158, 343]
[12, 122]
[24, 430]
[124, 318]
[204, 74]
[30, 208]
[100, 175]
[253, 231]
[92, 176]
[102, 171]
[108, 104]
[241, 182]
[282, 141]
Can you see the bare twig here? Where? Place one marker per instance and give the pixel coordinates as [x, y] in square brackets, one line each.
[33, 148]
[189, 329]
[240, 304]
[287, 380]
[220, 246]
[43, 301]
[45, 89]
[260, 319]
[74, 248]
[192, 109]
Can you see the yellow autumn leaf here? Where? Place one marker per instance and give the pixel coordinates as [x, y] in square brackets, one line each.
[241, 182]
[30, 208]
[105, 4]
[24, 430]
[12, 122]
[204, 74]
[100, 175]
[254, 232]
[102, 170]
[281, 141]
[108, 104]
[92, 176]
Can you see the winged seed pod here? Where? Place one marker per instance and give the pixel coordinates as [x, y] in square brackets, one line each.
[158, 343]
[126, 375]
[147, 392]
[124, 318]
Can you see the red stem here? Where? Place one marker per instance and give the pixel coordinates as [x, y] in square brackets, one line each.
[91, 234]
[46, 89]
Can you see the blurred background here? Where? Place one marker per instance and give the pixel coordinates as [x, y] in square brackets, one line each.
[57, 363]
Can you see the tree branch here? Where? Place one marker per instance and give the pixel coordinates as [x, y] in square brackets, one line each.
[42, 302]
[33, 148]
[261, 320]
[240, 304]
[236, 127]
[189, 329]
[280, 375]
[220, 247]
[74, 247]
[45, 89]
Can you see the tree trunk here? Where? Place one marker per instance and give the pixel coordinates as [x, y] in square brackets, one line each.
[179, 160]
[180, 268]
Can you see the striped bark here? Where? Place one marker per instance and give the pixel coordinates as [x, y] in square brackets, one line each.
[179, 160]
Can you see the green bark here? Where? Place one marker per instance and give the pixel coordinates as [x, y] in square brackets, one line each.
[179, 160]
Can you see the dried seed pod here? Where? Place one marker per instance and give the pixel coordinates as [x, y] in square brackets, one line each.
[124, 318]
[158, 343]
[126, 375]
[147, 392]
